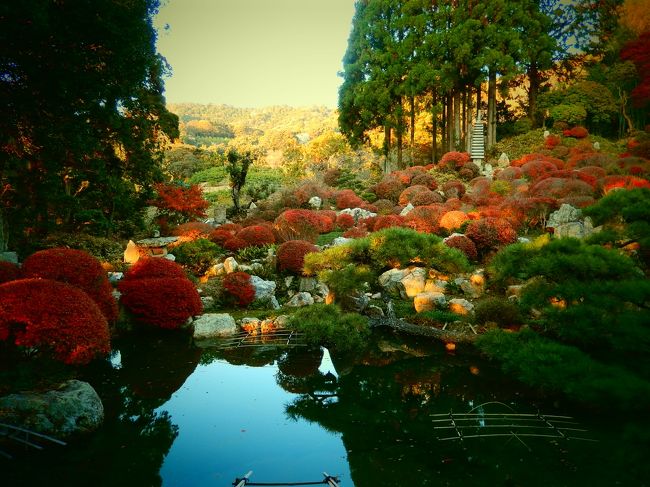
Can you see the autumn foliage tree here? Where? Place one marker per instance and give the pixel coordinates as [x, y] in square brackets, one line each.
[179, 203]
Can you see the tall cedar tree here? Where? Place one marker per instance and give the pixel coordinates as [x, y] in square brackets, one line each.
[83, 116]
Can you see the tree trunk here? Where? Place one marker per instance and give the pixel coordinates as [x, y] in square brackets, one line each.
[386, 147]
[412, 128]
[450, 123]
[492, 109]
[464, 125]
[535, 80]
[457, 111]
[443, 124]
[434, 128]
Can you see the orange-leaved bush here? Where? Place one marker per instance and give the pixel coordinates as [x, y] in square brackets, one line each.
[389, 188]
[160, 301]
[9, 271]
[179, 202]
[54, 318]
[407, 195]
[154, 267]
[192, 231]
[238, 285]
[78, 268]
[453, 220]
[386, 221]
[290, 255]
[346, 198]
[345, 221]
[576, 132]
[220, 236]
[453, 160]
[425, 218]
[234, 244]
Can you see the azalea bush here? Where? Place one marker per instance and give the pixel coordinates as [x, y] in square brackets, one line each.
[290, 255]
[238, 286]
[257, 235]
[464, 244]
[53, 318]
[490, 233]
[77, 268]
[154, 267]
[298, 225]
[163, 302]
[9, 272]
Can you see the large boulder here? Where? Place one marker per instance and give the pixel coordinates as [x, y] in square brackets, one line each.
[214, 325]
[414, 281]
[300, 299]
[263, 289]
[391, 282]
[358, 213]
[565, 214]
[71, 409]
[428, 301]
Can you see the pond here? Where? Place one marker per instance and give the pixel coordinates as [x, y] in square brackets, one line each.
[178, 415]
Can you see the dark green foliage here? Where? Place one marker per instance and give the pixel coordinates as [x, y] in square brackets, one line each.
[556, 367]
[327, 325]
[348, 280]
[198, 255]
[84, 118]
[327, 238]
[437, 317]
[213, 176]
[237, 167]
[560, 260]
[497, 310]
[401, 246]
[104, 249]
[254, 252]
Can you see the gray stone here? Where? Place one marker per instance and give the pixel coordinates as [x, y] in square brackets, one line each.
[214, 325]
[460, 306]
[435, 286]
[504, 160]
[414, 281]
[208, 301]
[407, 209]
[171, 257]
[340, 241]
[596, 145]
[315, 202]
[429, 301]
[358, 213]
[274, 303]
[115, 276]
[263, 289]
[282, 321]
[565, 214]
[307, 284]
[299, 300]
[156, 242]
[571, 230]
[391, 282]
[73, 408]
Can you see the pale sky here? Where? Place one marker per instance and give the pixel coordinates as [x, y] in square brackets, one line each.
[253, 53]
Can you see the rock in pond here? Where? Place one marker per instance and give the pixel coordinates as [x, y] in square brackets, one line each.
[214, 325]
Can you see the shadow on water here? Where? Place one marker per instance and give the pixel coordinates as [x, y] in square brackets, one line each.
[178, 415]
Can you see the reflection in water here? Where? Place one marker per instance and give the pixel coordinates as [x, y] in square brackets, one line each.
[177, 415]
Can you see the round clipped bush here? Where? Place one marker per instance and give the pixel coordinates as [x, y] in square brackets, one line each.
[9, 272]
[386, 221]
[464, 244]
[234, 244]
[425, 218]
[453, 160]
[454, 189]
[239, 287]
[389, 189]
[77, 268]
[160, 301]
[345, 221]
[257, 235]
[55, 318]
[154, 267]
[576, 132]
[298, 225]
[220, 236]
[328, 220]
[490, 233]
[425, 198]
[453, 220]
[290, 255]
[346, 198]
[406, 195]
[425, 179]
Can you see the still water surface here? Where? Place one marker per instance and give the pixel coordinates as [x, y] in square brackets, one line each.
[178, 415]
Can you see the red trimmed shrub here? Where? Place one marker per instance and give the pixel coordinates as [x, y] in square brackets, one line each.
[454, 189]
[425, 198]
[257, 235]
[192, 230]
[9, 272]
[154, 267]
[561, 188]
[404, 177]
[234, 244]
[346, 198]
[387, 221]
[359, 231]
[593, 171]
[576, 132]
[291, 255]
[331, 176]
[328, 220]
[510, 173]
[369, 207]
[490, 233]
[453, 160]
[220, 236]
[77, 268]
[389, 189]
[577, 201]
[537, 169]
[408, 193]
[425, 179]
[298, 225]
[425, 218]
[54, 317]
[453, 220]
[238, 285]
[453, 204]
[552, 141]
[161, 301]
[233, 228]
[464, 244]
[344, 221]
[368, 223]
[527, 158]
[609, 183]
